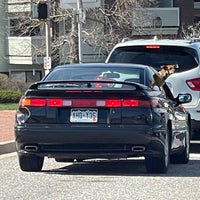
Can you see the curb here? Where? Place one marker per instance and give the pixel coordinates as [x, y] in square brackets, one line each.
[7, 147]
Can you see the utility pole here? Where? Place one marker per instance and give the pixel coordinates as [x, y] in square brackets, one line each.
[47, 66]
[81, 19]
[43, 16]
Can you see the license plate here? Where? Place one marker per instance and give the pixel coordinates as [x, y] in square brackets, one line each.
[84, 115]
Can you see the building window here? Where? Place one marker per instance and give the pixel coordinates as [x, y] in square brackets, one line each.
[27, 76]
[65, 26]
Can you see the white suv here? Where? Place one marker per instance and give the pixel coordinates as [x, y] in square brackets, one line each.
[156, 52]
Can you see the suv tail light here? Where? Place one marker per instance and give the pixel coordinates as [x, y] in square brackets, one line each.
[194, 84]
[152, 46]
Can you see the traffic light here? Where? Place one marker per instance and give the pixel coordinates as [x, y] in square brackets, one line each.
[42, 8]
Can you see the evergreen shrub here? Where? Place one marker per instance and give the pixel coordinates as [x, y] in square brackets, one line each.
[10, 96]
[11, 89]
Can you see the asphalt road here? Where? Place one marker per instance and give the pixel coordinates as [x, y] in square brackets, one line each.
[105, 180]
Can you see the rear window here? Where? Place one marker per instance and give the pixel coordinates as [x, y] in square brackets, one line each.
[92, 77]
[92, 73]
[185, 58]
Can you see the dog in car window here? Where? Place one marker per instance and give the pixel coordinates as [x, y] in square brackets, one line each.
[160, 77]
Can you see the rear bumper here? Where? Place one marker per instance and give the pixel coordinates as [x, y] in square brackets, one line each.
[79, 142]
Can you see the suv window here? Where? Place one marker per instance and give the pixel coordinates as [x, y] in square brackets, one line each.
[155, 56]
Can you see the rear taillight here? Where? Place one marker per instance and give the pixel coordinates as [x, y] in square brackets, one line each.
[54, 102]
[194, 84]
[32, 102]
[135, 103]
[84, 102]
[113, 103]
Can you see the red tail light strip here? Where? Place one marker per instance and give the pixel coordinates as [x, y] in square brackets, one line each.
[84, 102]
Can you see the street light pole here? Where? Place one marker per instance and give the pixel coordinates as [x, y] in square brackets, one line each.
[80, 13]
[47, 59]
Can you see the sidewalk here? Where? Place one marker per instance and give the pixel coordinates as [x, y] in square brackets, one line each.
[7, 118]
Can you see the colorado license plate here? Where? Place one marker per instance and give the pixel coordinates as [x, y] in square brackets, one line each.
[84, 115]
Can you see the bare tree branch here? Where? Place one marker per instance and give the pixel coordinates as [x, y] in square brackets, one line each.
[104, 27]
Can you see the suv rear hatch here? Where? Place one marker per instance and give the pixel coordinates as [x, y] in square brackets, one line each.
[154, 54]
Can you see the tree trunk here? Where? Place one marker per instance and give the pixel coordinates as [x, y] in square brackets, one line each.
[73, 57]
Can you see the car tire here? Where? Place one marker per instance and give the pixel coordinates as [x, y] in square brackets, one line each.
[159, 164]
[184, 156]
[30, 163]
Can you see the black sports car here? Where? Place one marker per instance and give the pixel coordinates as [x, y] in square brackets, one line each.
[98, 110]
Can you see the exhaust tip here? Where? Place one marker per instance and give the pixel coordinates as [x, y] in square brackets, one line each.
[31, 148]
[138, 148]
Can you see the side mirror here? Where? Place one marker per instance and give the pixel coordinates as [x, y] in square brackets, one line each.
[184, 98]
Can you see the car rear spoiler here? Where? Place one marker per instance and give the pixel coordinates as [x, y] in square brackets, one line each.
[84, 84]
